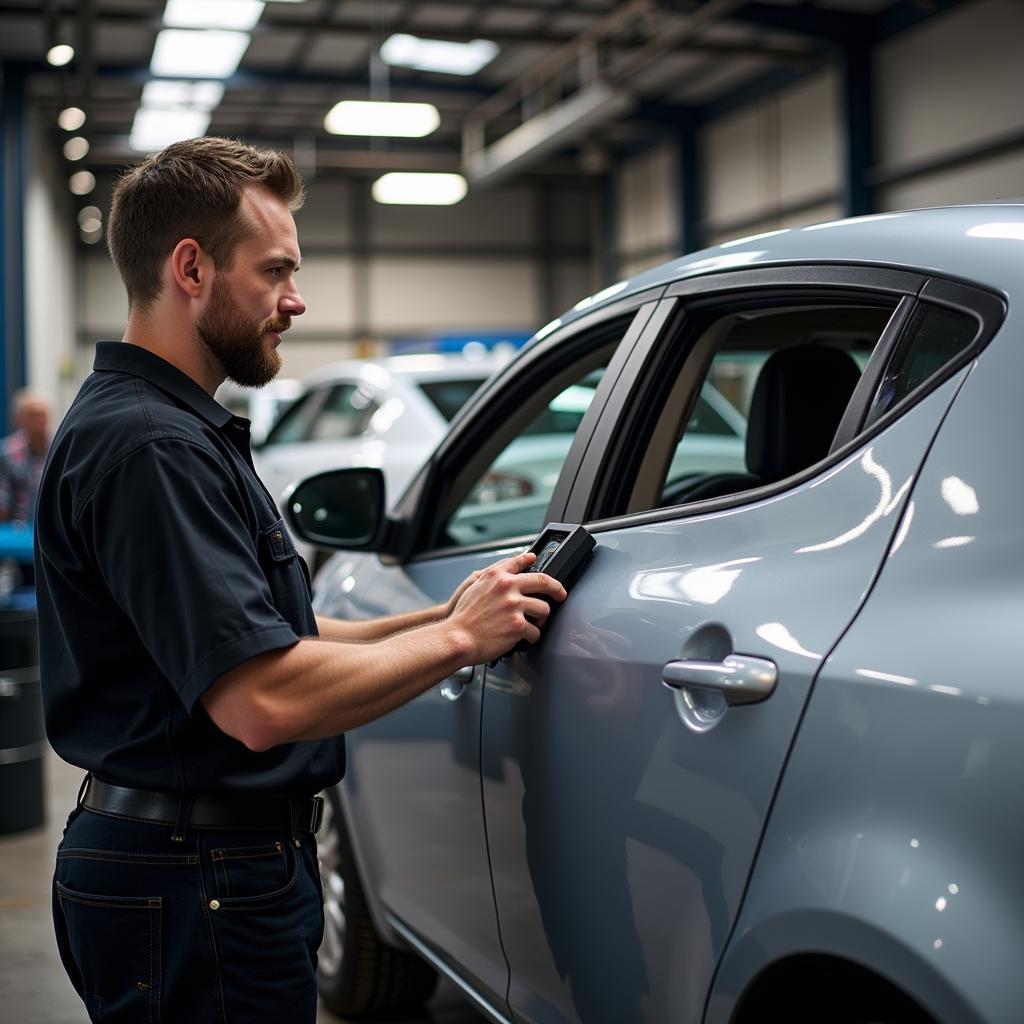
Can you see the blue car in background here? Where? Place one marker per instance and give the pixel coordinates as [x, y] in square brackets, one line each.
[763, 764]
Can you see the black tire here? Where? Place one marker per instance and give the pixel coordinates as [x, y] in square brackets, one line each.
[359, 977]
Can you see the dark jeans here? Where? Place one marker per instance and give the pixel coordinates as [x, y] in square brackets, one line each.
[223, 927]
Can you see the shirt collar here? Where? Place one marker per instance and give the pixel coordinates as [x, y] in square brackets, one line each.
[123, 357]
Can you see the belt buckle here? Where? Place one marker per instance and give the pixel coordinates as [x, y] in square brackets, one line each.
[316, 815]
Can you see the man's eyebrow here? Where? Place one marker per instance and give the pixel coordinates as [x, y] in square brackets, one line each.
[281, 259]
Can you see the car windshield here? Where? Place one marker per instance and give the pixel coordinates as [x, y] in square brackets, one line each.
[449, 396]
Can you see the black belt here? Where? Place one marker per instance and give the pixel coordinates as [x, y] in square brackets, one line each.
[303, 814]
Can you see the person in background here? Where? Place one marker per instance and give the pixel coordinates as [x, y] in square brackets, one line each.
[22, 456]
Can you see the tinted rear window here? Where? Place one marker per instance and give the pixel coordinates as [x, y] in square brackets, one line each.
[449, 396]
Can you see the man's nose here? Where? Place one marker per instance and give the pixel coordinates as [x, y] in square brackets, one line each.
[291, 304]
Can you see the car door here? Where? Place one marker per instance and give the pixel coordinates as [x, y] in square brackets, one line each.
[412, 788]
[630, 759]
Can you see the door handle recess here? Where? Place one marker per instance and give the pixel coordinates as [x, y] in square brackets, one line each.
[740, 678]
[452, 688]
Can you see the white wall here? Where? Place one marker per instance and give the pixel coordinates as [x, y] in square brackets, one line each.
[647, 209]
[50, 294]
[954, 82]
[778, 152]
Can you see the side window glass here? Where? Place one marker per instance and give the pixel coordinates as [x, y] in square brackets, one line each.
[934, 337]
[346, 413]
[294, 422]
[510, 497]
[758, 397]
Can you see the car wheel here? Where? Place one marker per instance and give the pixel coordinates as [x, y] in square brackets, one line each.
[359, 977]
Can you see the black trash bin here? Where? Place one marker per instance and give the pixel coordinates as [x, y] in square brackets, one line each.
[22, 743]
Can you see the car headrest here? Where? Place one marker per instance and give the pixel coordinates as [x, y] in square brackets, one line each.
[799, 399]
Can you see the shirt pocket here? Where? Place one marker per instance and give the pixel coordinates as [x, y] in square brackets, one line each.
[286, 573]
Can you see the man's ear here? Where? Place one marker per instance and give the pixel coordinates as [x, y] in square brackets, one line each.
[191, 267]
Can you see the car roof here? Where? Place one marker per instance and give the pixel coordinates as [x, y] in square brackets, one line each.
[422, 366]
[982, 242]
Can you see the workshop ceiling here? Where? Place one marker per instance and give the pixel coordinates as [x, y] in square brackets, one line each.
[661, 61]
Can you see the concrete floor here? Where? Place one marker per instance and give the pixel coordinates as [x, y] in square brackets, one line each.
[33, 986]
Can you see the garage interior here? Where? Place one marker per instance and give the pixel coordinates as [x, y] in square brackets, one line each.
[597, 139]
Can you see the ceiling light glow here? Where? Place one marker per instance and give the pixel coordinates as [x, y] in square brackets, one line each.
[81, 183]
[234, 14]
[395, 120]
[71, 119]
[166, 94]
[419, 189]
[76, 148]
[60, 55]
[153, 130]
[438, 54]
[188, 53]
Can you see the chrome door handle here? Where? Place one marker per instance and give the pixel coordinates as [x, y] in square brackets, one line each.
[740, 678]
[455, 685]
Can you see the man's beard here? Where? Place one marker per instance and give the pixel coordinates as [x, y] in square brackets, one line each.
[236, 340]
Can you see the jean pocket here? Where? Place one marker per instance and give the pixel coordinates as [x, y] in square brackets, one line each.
[115, 942]
[248, 871]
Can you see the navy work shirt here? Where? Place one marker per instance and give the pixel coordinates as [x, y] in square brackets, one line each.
[161, 564]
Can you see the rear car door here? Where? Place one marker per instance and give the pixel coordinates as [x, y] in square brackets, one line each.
[623, 814]
[412, 788]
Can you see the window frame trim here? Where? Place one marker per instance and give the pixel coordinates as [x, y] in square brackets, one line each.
[430, 488]
[599, 468]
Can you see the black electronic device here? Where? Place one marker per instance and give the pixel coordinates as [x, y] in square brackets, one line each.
[562, 551]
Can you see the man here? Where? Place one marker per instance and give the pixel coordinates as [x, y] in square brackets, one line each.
[22, 455]
[181, 661]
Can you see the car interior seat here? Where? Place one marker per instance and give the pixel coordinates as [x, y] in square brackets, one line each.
[799, 399]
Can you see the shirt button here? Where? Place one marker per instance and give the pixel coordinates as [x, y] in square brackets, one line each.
[215, 904]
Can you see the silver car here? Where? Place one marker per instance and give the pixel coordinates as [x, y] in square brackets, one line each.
[763, 763]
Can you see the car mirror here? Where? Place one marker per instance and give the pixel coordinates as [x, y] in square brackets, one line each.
[343, 508]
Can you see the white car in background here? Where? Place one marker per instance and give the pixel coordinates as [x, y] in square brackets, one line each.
[389, 413]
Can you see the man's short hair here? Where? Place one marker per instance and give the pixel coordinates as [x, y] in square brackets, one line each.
[190, 190]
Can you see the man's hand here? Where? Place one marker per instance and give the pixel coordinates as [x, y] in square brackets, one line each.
[503, 604]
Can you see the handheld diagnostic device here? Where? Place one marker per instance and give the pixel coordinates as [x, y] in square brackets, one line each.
[562, 551]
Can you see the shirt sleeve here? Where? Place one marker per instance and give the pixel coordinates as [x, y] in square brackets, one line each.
[168, 530]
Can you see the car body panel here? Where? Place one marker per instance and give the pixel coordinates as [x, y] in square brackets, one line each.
[897, 811]
[620, 839]
[644, 870]
[412, 786]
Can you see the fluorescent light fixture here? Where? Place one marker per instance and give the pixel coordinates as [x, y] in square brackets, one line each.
[397, 120]
[76, 148]
[153, 130]
[237, 14]
[166, 93]
[81, 183]
[419, 189]
[60, 55]
[71, 119]
[188, 53]
[438, 54]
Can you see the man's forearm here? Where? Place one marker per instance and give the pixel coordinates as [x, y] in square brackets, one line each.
[313, 689]
[366, 630]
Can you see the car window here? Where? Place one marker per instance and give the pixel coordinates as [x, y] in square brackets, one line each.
[345, 413]
[510, 498]
[294, 422]
[449, 396]
[756, 396]
[934, 338]
[781, 379]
